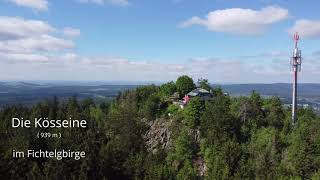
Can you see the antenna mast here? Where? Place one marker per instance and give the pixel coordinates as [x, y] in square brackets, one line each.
[295, 66]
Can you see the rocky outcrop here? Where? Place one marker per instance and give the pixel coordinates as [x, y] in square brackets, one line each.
[157, 138]
[200, 165]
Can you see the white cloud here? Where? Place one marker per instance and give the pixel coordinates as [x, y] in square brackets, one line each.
[306, 28]
[270, 55]
[39, 43]
[32, 41]
[101, 2]
[69, 57]
[71, 32]
[236, 71]
[240, 21]
[17, 27]
[218, 70]
[19, 35]
[23, 58]
[40, 5]
[119, 2]
[116, 68]
[316, 53]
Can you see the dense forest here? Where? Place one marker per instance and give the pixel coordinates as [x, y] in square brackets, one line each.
[142, 134]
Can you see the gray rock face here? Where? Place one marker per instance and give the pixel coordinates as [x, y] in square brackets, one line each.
[200, 165]
[157, 138]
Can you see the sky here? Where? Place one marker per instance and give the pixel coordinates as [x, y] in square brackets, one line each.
[225, 41]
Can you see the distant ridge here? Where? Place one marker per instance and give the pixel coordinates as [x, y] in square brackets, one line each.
[277, 89]
[30, 92]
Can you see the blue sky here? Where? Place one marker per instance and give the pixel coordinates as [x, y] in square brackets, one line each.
[237, 41]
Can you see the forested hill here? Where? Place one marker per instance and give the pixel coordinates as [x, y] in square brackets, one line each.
[145, 134]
